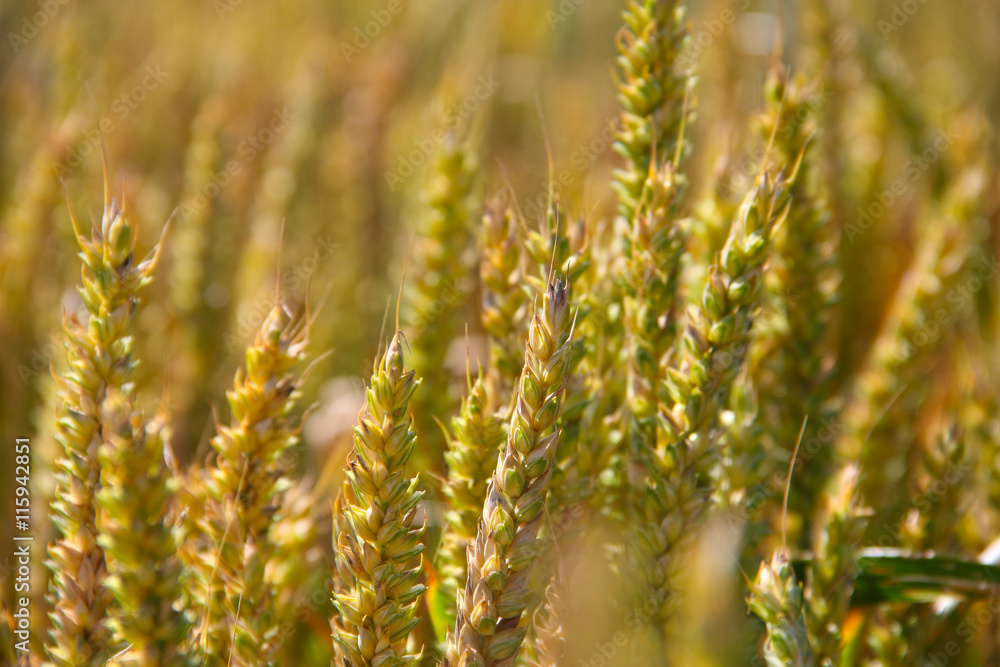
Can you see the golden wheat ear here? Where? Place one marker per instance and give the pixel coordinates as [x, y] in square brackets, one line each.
[141, 548]
[100, 362]
[232, 550]
[376, 583]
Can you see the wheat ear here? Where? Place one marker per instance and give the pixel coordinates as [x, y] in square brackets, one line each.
[377, 536]
[505, 304]
[472, 453]
[776, 597]
[243, 492]
[100, 357]
[680, 488]
[653, 90]
[442, 273]
[488, 630]
[140, 546]
[831, 577]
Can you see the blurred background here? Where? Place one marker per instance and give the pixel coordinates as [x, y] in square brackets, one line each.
[234, 116]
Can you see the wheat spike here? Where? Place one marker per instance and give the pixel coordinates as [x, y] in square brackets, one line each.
[488, 630]
[100, 358]
[377, 534]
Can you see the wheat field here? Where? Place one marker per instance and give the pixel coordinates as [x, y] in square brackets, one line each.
[576, 333]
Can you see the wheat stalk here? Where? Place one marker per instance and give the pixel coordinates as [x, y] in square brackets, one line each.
[680, 487]
[100, 358]
[376, 583]
[243, 490]
[143, 571]
[488, 630]
[471, 455]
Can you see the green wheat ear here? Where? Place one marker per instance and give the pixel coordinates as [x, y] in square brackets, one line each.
[442, 269]
[99, 352]
[242, 493]
[776, 597]
[376, 585]
[653, 89]
[505, 306]
[679, 488]
[472, 453]
[796, 378]
[835, 566]
[144, 573]
[488, 630]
